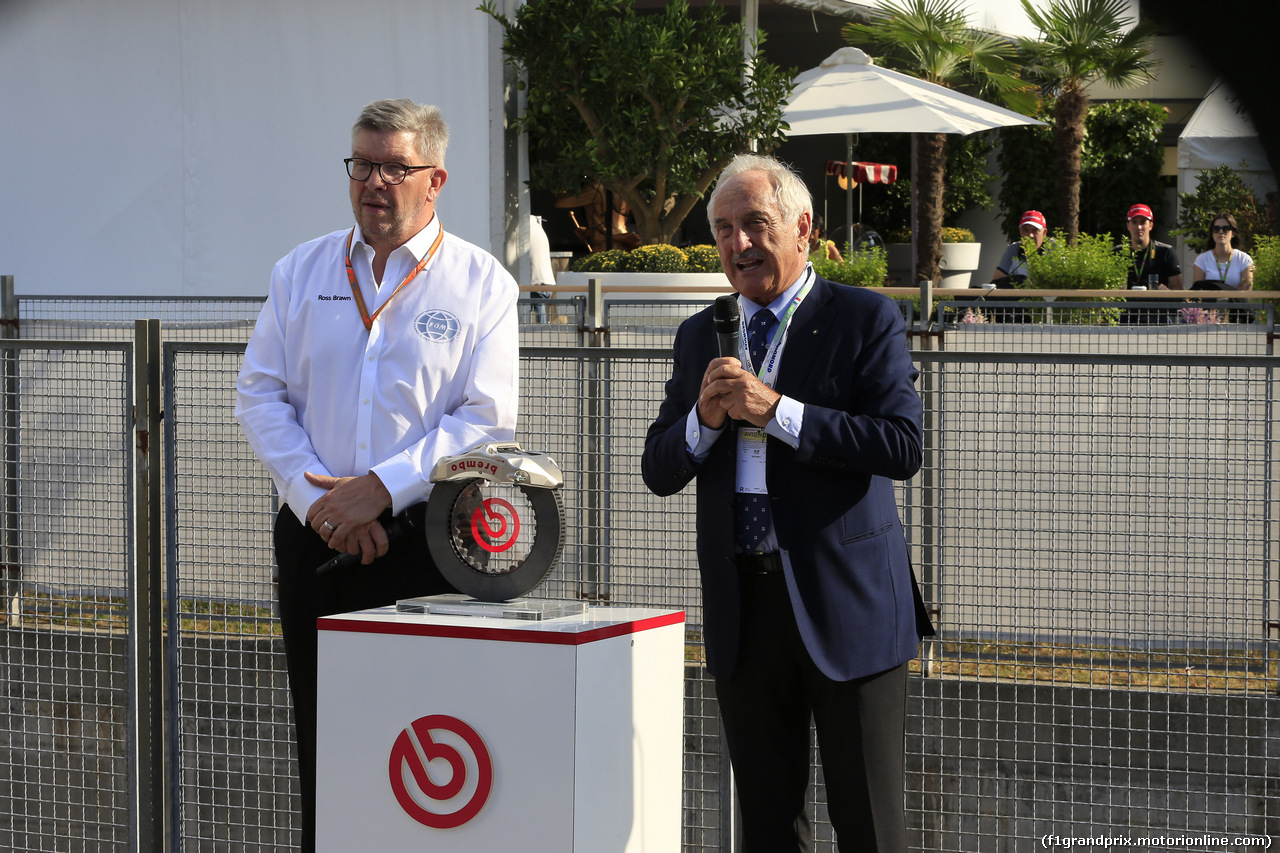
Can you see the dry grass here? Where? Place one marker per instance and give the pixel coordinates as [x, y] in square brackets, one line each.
[1198, 670]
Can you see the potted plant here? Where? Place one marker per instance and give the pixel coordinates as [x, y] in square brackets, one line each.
[646, 268]
[960, 256]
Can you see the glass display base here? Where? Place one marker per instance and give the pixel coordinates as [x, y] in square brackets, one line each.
[524, 609]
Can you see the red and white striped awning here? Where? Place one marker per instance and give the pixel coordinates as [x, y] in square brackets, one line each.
[864, 173]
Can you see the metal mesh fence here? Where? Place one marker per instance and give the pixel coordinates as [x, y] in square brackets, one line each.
[1095, 534]
[64, 715]
[236, 769]
[1104, 574]
[998, 324]
[111, 318]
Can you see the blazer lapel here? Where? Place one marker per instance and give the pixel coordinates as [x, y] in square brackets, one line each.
[810, 333]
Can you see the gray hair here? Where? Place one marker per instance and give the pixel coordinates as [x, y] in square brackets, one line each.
[429, 131]
[789, 191]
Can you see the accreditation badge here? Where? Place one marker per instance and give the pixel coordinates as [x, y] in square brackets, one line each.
[751, 455]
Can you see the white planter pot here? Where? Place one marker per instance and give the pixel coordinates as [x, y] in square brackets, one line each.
[959, 262]
[651, 285]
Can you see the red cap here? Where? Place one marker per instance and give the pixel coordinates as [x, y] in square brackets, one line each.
[1034, 217]
[1141, 210]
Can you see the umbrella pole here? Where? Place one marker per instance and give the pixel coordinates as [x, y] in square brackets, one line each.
[848, 194]
[915, 205]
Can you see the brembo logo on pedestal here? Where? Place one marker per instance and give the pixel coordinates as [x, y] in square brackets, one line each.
[445, 748]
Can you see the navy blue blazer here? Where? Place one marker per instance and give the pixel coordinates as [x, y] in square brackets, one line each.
[843, 551]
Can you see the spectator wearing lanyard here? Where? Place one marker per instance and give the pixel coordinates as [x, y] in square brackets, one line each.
[1222, 260]
[1148, 257]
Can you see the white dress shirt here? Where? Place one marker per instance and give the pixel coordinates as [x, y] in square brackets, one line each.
[436, 375]
[788, 417]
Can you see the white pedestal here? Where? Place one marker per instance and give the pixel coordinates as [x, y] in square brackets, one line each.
[557, 736]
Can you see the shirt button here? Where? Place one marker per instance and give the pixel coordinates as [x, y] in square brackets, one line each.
[365, 401]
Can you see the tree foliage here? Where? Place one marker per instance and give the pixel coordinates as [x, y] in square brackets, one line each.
[1220, 190]
[1121, 159]
[1081, 42]
[931, 39]
[650, 106]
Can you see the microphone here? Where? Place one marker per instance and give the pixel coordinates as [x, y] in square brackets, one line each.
[396, 528]
[725, 316]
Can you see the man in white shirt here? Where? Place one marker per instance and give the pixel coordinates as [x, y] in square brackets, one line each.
[381, 348]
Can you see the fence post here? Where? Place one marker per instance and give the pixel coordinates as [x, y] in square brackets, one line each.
[11, 574]
[594, 573]
[929, 564]
[146, 655]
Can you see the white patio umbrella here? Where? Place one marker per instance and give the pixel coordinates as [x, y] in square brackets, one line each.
[848, 93]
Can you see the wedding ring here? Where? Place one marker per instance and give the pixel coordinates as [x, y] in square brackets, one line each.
[330, 526]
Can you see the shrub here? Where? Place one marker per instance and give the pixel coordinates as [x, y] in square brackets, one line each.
[1091, 264]
[658, 257]
[703, 258]
[1220, 190]
[606, 261]
[867, 268]
[958, 235]
[1266, 263]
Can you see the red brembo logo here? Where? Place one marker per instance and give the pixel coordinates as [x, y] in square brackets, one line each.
[498, 535]
[406, 756]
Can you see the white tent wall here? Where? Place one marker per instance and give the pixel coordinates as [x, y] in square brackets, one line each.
[1218, 133]
[180, 147]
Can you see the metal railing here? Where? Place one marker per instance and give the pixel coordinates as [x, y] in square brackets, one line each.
[1095, 534]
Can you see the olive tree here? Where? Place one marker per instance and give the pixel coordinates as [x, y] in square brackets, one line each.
[651, 106]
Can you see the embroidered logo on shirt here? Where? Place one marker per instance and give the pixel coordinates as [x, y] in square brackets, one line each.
[437, 326]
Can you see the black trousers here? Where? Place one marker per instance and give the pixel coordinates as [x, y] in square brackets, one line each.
[767, 704]
[406, 571]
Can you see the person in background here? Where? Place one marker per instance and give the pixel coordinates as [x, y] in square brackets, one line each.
[381, 348]
[819, 245]
[810, 607]
[1222, 260]
[1152, 264]
[1012, 267]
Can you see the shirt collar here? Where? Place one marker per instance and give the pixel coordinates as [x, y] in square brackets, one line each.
[777, 306]
[418, 245]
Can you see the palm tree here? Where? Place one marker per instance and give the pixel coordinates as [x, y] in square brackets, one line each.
[932, 39]
[1082, 41]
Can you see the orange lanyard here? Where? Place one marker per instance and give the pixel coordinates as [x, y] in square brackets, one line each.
[355, 288]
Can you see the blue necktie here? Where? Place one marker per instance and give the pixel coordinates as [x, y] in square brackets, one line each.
[751, 510]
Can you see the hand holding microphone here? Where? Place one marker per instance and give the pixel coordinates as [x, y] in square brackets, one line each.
[726, 317]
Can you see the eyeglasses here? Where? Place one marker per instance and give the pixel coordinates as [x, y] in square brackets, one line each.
[359, 169]
[1221, 229]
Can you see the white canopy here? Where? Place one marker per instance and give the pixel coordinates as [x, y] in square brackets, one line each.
[849, 93]
[1219, 132]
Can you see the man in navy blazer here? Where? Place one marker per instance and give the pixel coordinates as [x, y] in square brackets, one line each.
[810, 607]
